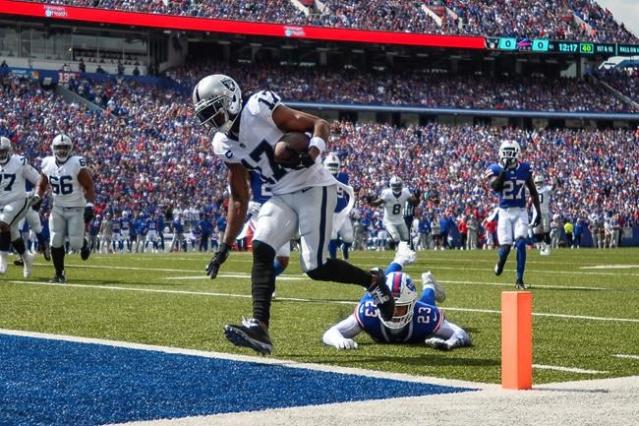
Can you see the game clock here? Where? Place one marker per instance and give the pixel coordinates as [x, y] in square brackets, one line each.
[540, 45]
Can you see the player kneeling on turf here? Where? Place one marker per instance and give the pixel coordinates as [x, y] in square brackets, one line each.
[415, 320]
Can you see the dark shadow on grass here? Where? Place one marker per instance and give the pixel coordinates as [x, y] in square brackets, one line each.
[572, 390]
[431, 359]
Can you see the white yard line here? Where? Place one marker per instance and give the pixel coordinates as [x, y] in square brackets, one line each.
[567, 369]
[626, 356]
[303, 300]
[253, 359]
[617, 266]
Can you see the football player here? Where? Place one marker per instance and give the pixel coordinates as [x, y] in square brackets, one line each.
[416, 319]
[509, 180]
[342, 225]
[394, 199]
[14, 204]
[73, 198]
[542, 231]
[303, 197]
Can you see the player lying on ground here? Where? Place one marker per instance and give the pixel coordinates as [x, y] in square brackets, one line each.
[415, 319]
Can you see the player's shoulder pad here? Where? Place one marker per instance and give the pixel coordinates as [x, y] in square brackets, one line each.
[492, 170]
[80, 161]
[263, 103]
[46, 161]
[525, 167]
[19, 159]
[222, 148]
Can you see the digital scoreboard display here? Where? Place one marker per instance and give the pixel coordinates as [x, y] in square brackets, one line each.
[540, 45]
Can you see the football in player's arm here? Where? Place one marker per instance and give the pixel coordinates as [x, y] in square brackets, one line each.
[509, 180]
[73, 198]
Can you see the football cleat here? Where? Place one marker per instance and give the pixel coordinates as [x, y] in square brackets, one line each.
[18, 262]
[499, 266]
[382, 295]
[27, 259]
[58, 279]
[3, 263]
[85, 251]
[519, 285]
[404, 255]
[429, 281]
[46, 253]
[250, 334]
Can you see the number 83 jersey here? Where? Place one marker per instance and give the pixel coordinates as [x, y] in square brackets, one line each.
[254, 148]
[513, 193]
[63, 178]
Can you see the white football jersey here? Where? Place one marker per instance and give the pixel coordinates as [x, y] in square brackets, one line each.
[63, 178]
[394, 206]
[258, 135]
[545, 193]
[13, 177]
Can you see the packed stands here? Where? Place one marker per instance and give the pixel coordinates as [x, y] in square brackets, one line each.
[555, 19]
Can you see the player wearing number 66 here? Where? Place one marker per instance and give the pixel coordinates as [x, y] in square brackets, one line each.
[509, 180]
[304, 195]
[72, 186]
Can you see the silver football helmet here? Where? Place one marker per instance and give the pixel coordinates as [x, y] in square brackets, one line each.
[61, 147]
[5, 150]
[404, 292]
[539, 180]
[217, 100]
[332, 163]
[509, 153]
[396, 184]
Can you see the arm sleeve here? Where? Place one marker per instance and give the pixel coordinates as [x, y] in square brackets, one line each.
[346, 329]
[31, 174]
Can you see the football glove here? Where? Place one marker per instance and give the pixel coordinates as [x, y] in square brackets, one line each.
[88, 213]
[306, 160]
[437, 343]
[346, 344]
[219, 257]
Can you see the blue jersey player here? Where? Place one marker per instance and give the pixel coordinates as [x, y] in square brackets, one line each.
[416, 318]
[509, 180]
[342, 225]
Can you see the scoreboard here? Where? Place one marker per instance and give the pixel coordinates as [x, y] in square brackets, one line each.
[539, 45]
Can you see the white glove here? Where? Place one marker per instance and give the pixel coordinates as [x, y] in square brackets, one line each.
[346, 344]
[437, 343]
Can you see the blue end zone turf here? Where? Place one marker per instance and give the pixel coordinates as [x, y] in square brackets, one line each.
[57, 382]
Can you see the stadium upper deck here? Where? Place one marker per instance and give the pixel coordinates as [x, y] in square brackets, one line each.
[555, 19]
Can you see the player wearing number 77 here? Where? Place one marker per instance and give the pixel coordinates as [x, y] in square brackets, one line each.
[509, 180]
[304, 196]
[416, 319]
[72, 186]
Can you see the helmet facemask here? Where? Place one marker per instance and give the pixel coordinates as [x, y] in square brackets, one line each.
[396, 185]
[62, 152]
[405, 295]
[213, 113]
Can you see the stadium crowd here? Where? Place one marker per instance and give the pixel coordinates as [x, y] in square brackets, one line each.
[149, 160]
[625, 81]
[432, 90]
[555, 19]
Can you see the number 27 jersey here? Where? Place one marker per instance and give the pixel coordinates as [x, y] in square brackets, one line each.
[254, 150]
[63, 178]
[513, 193]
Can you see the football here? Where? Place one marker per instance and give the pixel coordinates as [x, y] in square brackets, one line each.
[288, 149]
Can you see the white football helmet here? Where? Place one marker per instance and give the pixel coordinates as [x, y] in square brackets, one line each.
[5, 150]
[509, 152]
[405, 294]
[217, 100]
[539, 180]
[396, 184]
[332, 163]
[61, 147]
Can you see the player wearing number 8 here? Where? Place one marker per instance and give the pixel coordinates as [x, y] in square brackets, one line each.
[509, 180]
[72, 186]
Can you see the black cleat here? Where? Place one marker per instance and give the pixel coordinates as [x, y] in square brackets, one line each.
[85, 251]
[250, 334]
[499, 266]
[18, 262]
[519, 285]
[58, 279]
[382, 295]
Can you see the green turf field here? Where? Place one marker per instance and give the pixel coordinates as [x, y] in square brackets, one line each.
[592, 296]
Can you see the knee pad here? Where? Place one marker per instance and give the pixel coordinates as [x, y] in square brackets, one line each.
[262, 252]
[76, 243]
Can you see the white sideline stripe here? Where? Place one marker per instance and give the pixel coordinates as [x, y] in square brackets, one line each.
[626, 356]
[567, 369]
[240, 275]
[295, 299]
[254, 359]
[452, 268]
[617, 266]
